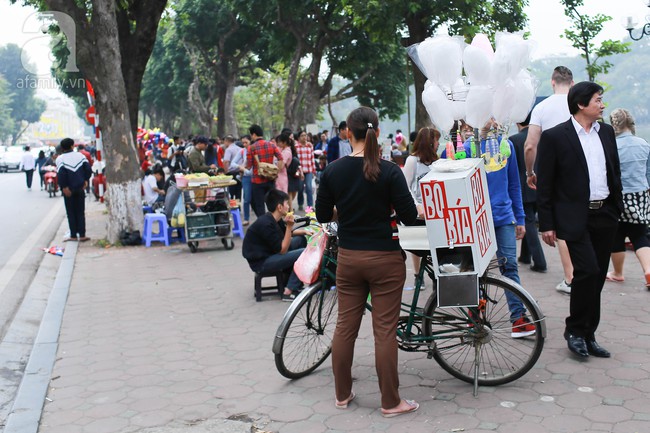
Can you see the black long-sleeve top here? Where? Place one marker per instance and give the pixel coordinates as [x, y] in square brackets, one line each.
[72, 170]
[364, 208]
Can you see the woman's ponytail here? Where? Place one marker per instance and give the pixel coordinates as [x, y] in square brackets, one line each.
[363, 123]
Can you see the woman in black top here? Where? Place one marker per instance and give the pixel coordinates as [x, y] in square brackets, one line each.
[362, 192]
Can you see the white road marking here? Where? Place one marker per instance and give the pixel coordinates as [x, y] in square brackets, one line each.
[16, 260]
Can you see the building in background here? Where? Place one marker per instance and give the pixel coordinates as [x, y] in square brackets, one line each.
[59, 120]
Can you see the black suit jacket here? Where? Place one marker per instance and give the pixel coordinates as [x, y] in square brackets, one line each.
[563, 180]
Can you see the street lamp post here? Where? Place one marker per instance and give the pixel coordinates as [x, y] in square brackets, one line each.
[630, 24]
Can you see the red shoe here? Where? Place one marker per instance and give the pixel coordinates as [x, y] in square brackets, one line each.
[522, 328]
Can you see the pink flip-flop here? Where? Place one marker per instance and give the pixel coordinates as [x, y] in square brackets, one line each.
[344, 404]
[413, 407]
[613, 279]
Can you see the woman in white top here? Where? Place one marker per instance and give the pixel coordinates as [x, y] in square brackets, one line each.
[424, 153]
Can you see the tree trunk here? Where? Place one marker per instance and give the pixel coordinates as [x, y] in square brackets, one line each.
[136, 46]
[293, 94]
[222, 89]
[418, 32]
[229, 106]
[422, 119]
[122, 168]
[186, 120]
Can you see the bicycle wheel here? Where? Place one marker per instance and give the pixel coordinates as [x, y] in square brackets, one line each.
[304, 338]
[461, 335]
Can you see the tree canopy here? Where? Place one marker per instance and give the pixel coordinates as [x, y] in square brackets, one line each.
[19, 91]
[584, 29]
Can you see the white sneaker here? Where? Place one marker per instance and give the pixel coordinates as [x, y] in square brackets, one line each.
[564, 287]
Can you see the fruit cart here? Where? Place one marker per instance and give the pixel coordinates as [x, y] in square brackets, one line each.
[208, 214]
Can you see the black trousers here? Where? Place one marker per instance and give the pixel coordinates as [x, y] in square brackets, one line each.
[29, 174]
[530, 244]
[590, 259]
[75, 207]
[258, 193]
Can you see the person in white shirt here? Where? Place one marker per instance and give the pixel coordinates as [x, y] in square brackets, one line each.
[152, 193]
[27, 164]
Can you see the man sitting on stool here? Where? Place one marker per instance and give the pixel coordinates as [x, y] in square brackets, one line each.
[271, 246]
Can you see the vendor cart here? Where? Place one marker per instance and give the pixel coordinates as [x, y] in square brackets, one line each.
[208, 215]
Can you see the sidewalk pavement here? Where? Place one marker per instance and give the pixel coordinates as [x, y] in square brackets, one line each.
[162, 340]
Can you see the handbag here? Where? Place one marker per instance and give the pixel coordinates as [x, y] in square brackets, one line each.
[266, 170]
[307, 267]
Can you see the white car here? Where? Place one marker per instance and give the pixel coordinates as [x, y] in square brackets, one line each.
[10, 159]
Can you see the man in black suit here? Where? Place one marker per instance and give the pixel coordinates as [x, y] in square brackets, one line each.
[579, 200]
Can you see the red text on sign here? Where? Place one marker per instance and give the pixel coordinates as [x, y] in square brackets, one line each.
[483, 233]
[458, 225]
[434, 200]
[476, 185]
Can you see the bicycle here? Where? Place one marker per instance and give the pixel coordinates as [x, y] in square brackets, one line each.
[473, 344]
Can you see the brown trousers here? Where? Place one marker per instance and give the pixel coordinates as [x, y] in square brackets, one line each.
[382, 274]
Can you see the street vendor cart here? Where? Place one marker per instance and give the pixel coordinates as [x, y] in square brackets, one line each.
[208, 214]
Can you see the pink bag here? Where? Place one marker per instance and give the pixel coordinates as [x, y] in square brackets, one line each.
[307, 267]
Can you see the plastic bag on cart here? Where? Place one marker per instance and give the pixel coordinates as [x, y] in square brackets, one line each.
[307, 267]
[178, 214]
[171, 198]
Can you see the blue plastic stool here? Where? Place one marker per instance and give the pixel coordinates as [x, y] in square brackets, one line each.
[163, 234]
[180, 234]
[237, 229]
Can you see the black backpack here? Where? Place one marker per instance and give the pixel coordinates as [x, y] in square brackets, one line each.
[294, 168]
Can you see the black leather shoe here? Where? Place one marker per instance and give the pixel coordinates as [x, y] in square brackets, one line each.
[538, 269]
[577, 345]
[596, 349]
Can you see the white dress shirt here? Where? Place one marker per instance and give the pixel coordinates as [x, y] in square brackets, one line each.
[592, 147]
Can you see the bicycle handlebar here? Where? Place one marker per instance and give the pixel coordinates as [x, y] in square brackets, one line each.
[301, 219]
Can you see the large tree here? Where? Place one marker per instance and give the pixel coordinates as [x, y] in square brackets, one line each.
[167, 107]
[318, 42]
[113, 40]
[219, 41]
[584, 29]
[418, 19]
[24, 107]
[5, 108]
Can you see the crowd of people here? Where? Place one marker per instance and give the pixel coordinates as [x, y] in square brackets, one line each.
[584, 183]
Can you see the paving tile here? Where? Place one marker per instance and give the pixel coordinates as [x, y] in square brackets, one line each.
[138, 352]
[566, 423]
[606, 413]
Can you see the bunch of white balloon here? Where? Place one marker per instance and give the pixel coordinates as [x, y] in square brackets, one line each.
[495, 85]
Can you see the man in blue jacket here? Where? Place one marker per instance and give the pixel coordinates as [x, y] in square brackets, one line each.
[509, 225]
[73, 173]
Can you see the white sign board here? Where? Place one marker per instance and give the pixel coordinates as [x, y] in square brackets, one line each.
[458, 216]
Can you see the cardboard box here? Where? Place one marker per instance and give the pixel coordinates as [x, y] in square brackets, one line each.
[459, 224]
